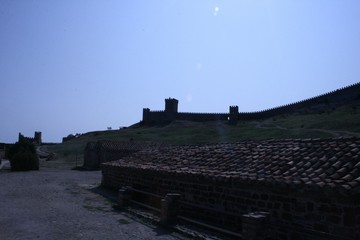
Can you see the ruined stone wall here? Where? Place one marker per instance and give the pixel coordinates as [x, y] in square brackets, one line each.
[294, 213]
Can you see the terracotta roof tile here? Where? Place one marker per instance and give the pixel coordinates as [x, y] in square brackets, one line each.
[357, 179]
[348, 178]
[337, 164]
[332, 163]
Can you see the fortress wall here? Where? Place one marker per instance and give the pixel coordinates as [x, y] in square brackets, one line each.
[154, 116]
[331, 99]
[162, 116]
[202, 117]
[36, 139]
[321, 102]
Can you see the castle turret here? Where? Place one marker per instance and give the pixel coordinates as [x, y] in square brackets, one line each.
[37, 138]
[146, 115]
[171, 105]
[171, 109]
[233, 115]
[20, 137]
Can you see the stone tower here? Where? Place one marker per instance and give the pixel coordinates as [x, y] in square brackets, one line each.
[171, 109]
[171, 105]
[37, 138]
[233, 115]
[146, 115]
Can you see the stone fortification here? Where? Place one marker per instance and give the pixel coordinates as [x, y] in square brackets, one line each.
[171, 113]
[36, 139]
[319, 103]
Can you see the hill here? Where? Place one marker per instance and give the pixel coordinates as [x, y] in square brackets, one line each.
[335, 122]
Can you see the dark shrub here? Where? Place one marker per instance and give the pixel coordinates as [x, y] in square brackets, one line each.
[23, 157]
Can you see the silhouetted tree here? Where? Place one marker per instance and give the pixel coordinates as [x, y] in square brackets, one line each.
[23, 157]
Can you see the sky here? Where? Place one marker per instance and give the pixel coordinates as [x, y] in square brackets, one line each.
[71, 67]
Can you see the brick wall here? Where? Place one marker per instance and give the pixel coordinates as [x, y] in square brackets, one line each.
[296, 212]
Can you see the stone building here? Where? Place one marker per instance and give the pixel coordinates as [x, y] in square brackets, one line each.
[301, 189]
[99, 152]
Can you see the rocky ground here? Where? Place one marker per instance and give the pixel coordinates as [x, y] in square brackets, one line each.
[59, 203]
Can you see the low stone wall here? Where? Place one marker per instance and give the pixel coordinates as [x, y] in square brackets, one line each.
[99, 152]
[93, 158]
[295, 212]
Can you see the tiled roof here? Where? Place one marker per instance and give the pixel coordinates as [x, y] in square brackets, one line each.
[122, 145]
[322, 163]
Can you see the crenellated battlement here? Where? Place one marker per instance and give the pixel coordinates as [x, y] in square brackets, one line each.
[203, 113]
[171, 113]
[320, 102]
[36, 139]
[324, 101]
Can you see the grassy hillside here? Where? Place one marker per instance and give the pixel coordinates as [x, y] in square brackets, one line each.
[343, 121]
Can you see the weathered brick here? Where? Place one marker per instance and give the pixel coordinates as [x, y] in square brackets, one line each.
[261, 204]
[334, 219]
[310, 206]
[286, 207]
[349, 219]
[306, 211]
[264, 196]
[287, 216]
[321, 227]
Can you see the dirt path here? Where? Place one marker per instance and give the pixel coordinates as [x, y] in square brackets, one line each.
[60, 204]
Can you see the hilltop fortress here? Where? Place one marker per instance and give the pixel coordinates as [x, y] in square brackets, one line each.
[319, 103]
[36, 139]
[171, 113]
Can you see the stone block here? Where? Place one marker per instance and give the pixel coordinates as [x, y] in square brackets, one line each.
[253, 225]
[124, 196]
[349, 219]
[169, 208]
[334, 219]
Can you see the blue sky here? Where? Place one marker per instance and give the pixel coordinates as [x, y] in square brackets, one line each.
[78, 66]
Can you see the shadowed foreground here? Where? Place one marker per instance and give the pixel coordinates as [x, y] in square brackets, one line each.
[58, 204]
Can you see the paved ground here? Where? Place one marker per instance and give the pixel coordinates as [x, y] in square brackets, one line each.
[58, 203]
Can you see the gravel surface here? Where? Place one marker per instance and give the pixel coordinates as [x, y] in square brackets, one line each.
[58, 203]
